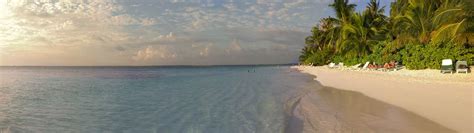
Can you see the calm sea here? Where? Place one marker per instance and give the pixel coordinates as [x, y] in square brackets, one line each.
[147, 99]
[224, 99]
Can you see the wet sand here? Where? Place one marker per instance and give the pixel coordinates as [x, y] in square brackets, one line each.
[446, 99]
[330, 110]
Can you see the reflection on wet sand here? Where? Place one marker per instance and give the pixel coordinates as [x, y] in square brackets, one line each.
[332, 110]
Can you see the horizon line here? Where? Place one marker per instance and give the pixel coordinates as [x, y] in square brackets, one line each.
[146, 65]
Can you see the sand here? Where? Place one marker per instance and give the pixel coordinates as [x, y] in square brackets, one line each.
[446, 99]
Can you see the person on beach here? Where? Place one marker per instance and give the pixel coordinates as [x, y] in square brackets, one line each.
[373, 66]
[389, 65]
[386, 65]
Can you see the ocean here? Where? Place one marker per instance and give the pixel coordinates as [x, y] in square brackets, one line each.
[146, 99]
[213, 99]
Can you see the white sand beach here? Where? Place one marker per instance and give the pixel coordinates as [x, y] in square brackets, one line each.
[446, 99]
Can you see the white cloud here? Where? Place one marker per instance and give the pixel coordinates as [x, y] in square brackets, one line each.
[157, 32]
[162, 52]
[205, 51]
[148, 21]
[85, 22]
[234, 47]
[145, 54]
[168, 37]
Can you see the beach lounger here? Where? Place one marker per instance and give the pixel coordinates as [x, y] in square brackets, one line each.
[398, 67]
[376, 67]
[331, 65]
[365, 65]
[447, 66]
[340, 65]
[355, 67]
[461, 66]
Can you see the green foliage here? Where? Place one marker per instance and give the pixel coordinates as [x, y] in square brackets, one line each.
[419, 56]
[418, 34]
[319, 58]
[346, 59]
[382, 53]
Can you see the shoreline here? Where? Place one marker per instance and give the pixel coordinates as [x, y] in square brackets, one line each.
[443, 98]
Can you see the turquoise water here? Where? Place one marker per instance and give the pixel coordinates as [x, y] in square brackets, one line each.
[147, 99]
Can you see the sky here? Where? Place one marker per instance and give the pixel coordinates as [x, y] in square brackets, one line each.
[157, 32]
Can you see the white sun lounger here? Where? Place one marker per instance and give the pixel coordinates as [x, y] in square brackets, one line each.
[461, 66]
[447, 66]
[340, 65]
[331, 65]
[365, 66]
[355, 67]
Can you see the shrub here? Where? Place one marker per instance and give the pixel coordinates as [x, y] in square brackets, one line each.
[413, 55]
[319, 58]
[382, 52]
[419, 56]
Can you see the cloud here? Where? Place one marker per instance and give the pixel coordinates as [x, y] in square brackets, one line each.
[277, 36]
[204, 51]
[234, 47]
[143, 32]
[149, 53]
[120, 48]
[212, 52]
[258, 14]
[145, 54]
[169, 37]
[67, 23]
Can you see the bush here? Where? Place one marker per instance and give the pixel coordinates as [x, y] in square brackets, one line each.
[419, 56]
[346, 59]
[384, 52]
[319, 58]
[413, 56]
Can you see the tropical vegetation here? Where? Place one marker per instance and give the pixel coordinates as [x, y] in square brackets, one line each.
[417, 33]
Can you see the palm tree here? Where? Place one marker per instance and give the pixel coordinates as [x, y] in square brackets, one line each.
[370, 34]
[376, 20]
[343, 10]
[421, 21]
[362, 30]
[305, 54]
